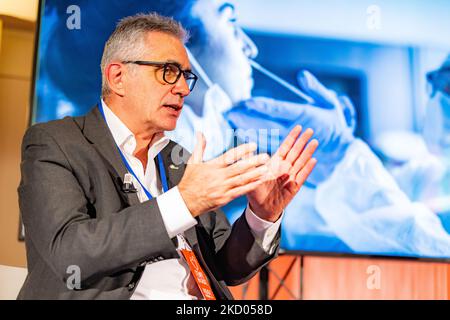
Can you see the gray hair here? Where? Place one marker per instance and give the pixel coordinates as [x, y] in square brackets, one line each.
[127, 40]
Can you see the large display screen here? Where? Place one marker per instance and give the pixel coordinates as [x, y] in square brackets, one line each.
[371, 78]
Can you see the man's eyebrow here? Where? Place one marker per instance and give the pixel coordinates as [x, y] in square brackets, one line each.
[179, 65]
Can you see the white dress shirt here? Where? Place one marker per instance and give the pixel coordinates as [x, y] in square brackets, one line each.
[171, 278]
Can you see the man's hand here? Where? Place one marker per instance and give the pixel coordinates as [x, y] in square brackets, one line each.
[288, 169]
[206, 186]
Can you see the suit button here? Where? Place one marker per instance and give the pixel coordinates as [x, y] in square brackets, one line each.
[131, 286]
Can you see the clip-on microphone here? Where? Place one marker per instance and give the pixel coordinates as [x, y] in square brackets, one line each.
[128, 186]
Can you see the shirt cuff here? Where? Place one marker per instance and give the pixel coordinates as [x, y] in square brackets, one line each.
[264, 231]
[175, 214]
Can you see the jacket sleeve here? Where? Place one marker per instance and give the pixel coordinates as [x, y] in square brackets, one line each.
[239, 255]
[60, 224]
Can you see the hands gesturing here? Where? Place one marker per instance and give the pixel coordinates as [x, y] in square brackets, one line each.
[269, 182]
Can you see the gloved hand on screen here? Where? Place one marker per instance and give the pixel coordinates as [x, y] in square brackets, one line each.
[331, 117]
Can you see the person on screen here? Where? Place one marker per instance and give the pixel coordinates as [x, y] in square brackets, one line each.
[426, 177]
[107, 212]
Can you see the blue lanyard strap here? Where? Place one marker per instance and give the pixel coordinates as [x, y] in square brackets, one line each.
[162, 171]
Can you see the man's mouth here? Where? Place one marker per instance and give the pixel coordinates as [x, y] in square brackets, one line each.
[175, 107]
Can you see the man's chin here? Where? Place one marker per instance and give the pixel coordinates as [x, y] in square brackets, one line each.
[170, 127]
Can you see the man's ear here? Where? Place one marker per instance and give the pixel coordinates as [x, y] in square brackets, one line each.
[114, 73]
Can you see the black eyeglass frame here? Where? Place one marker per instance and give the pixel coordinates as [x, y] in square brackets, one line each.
[188, 75]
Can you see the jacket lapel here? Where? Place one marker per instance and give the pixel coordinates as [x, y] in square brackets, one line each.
[174, 173]
[98, 133]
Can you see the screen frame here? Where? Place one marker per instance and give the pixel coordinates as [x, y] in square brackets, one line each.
[282, 251]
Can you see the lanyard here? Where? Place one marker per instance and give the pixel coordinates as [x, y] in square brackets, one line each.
[162, 171]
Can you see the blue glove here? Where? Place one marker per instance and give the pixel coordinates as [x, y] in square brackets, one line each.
[326, 98]
[331, 117]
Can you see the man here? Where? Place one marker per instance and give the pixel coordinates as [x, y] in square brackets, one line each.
[110, 214]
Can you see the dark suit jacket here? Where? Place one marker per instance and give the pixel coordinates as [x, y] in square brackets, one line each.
[75, 213]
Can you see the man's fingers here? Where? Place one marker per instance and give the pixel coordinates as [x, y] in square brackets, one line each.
[304, 157]
[240, 191]
[233, 155]
[247, 177]
[244, 165]
[299, 145]
[197, 154]
[305, 172]
[277, 168]
[288, 142]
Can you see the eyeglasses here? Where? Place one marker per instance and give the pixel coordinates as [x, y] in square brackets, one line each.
[439, 80]
[171, 72]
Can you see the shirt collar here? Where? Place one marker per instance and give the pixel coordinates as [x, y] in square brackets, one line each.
[125, 139]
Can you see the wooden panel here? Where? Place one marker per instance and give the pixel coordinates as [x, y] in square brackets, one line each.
[1, 29]
[358, 278]
[353, 278]
[15, 73]
[16, 59]
[17, 24]
[13, 121]
[448, 282]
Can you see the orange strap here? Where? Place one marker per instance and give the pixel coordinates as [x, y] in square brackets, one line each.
[197, 272]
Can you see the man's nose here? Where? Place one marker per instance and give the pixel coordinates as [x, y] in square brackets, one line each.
[181, 87]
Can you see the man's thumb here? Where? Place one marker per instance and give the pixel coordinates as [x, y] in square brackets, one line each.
[197, 154]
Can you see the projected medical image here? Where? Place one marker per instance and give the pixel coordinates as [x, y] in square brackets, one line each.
[372, 82]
